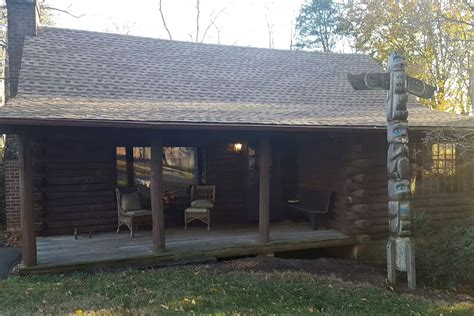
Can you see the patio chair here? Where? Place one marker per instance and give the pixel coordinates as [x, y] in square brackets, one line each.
[130, 209]
[203, 198]
[311, 204]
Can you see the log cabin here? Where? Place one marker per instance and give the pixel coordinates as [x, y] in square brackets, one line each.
[90, 112]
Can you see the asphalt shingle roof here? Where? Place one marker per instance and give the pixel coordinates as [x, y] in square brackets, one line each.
[80, 75]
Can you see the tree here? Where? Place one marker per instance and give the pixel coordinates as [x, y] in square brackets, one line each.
[196, 36]
[434, 35]
[317, 25]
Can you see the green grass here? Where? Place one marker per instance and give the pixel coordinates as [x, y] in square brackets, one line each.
[206, 291]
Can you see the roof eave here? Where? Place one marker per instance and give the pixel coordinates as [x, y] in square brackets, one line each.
[7, 123]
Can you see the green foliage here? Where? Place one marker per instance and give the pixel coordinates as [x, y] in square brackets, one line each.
[445, 253]
[204, 290]
[317, 25]
[436, 37]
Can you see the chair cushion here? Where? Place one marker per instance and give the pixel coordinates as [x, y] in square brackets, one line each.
[139, 212]
[195, 210]
[202, 204]
[130, 201]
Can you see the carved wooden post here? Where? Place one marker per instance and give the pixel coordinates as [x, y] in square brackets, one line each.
[156, 189]
[400, 252]
[264, 196]
[28, 233]
[398, 169]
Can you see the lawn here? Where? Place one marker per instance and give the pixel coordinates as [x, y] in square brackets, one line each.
[206, 289]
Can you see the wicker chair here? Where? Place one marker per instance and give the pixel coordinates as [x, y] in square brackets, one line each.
[130, 218]
[203, 198]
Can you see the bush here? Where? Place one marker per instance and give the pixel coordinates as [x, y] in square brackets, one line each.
[445, 252]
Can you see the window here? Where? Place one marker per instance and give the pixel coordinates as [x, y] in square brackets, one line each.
[439, 170]
[179, 168]
[443, 160]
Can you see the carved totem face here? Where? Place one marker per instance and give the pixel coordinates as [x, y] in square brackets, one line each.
[396, 61]
[398, 189]
[397, 132]
[398, 164]
[399, 218]
[397, 107]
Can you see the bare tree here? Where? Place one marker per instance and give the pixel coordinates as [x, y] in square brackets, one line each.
[212, 23]
[196, 35]
[269, 26]
[461, 138]
[164, 20]
[121, 28]
[198, 14]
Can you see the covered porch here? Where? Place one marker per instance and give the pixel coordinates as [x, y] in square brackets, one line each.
[68, 178]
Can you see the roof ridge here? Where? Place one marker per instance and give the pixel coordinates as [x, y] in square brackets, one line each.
[52, 28]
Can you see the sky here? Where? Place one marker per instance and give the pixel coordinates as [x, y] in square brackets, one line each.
[238, 22]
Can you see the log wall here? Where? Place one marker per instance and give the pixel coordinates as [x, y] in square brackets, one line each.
[227, 170]
[74, 186]
[361, 186]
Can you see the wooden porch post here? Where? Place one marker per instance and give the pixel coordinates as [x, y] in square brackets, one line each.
[156, 186]
[129, 166]
[28, 232]
[264, 196]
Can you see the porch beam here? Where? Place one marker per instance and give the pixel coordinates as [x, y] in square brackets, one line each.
[264, 194]
[156, 189]
[129, 166]
[28, 232]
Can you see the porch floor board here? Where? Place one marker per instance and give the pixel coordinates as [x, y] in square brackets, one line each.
[104, 250]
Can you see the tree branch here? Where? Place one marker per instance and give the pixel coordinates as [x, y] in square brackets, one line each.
[66, 11]
[164, 21]
[212, 22]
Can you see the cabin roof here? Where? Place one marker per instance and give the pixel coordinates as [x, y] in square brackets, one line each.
[71, 75]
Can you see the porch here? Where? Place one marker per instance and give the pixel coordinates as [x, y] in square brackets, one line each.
[110, 250]
[68, 182]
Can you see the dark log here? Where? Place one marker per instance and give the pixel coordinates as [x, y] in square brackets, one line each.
[445, 209]
[366, 163]
[53, 210]
[77, 187]
[451, 215]
[365, 223]
[360, 193]
[77, 180]
[362, 178]
[360, 208]
[79, 201]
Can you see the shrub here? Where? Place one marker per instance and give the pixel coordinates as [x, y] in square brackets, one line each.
[445, 252]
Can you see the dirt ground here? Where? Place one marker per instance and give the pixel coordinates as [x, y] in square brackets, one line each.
[346, 270]
[349, 271]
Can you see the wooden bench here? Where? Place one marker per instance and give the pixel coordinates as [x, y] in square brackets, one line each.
[311, 204]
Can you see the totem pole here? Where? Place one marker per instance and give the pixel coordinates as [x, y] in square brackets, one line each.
[400, 252]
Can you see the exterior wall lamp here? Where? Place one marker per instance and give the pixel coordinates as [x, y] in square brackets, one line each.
[238, 147]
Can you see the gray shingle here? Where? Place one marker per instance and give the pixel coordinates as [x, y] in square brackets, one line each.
[71, 74]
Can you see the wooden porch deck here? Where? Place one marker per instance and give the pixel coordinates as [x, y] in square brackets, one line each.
[109, 250]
